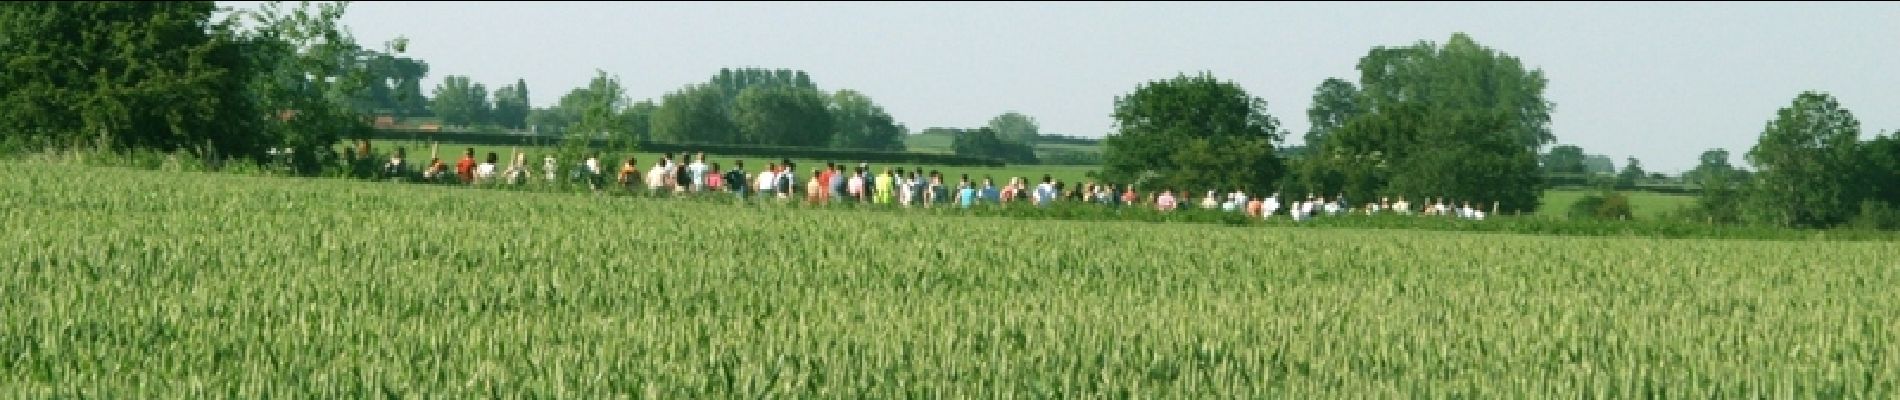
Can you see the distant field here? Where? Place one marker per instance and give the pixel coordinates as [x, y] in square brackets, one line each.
[1645, 205]
[941, 144]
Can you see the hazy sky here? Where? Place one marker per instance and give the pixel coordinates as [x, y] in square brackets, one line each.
[1657, 81]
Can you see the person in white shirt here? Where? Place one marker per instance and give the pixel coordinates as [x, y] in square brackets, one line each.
[592, 168]
[1240, 200]
[1307, 207]
[854, 186]
[1402, 207]
[1272, 206]
[485, 171]
[517, 169]
[548, 166]
[698, 171]
[767, 179]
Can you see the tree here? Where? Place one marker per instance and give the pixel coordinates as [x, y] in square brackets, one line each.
[987, 143]
[1712, 161]
[1017, 128]
[1335, 101]
[307, 70]
[1193, 132]
[1460, 121]
[1564, 159]
[782, 116]
[120, 75]
[511, 105]
[862, 124]
[1632, 173]
[394, 86]
[1598, 164]
[1804, 162]
[694, 114]
[460, 102]
[597, 111]
[1461, 75]
[639, 119]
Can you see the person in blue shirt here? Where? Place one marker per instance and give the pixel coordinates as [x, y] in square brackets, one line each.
[989, 193]
[966, 195]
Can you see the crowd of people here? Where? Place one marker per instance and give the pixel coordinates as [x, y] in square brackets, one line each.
[915, 187]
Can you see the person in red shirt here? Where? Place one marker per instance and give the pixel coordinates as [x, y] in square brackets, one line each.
[465, 169]
[824, 182]
[1128, 195]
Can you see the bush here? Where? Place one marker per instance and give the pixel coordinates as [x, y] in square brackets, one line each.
[1876, 215]
[1610, 205]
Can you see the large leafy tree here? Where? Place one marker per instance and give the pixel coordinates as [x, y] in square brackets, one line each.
[1564, 159]
[986, 143]
[862, 124]
[126, 74]
[1804, 162]
[1632, 173]
[511, 106]
[1193, 132]
[1015, 127]
[461, 102]
[695, 114]
[782, 116]
[1335, 101]
[1459, 121]
[598, 112]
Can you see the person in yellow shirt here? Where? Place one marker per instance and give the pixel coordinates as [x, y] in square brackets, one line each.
[882, 193]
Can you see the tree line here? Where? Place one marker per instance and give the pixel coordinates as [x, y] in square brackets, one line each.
[1467, 122]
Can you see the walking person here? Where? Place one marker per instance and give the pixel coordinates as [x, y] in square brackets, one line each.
[465, 169]
[735, 179]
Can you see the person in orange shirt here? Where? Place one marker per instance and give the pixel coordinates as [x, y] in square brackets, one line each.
[1129, 196]
[465, 169]
[824, 183]
[813, 192]
[627, 172]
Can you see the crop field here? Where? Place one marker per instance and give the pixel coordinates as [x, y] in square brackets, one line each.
[120, 283]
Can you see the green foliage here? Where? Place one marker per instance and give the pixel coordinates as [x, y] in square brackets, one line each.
[307, 70]
[1631, 175]
[1016, 128]
[125, 75]
[862, 124]
[1460, 121]
[394, 86]
[1193, 132]
[694, 114]
[1335, 102]
[1806, 164]
[599, 112]
[1564, 159]
[1609, 205]
[457, 101]
[986, 143]
[782, 116]
[511, 106]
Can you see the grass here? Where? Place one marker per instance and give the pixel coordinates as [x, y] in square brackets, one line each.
[1645, 205]
[170, 285]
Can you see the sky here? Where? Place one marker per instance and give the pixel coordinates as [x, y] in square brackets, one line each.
[1657, 81]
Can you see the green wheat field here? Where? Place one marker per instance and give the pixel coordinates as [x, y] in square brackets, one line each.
[120, 283]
